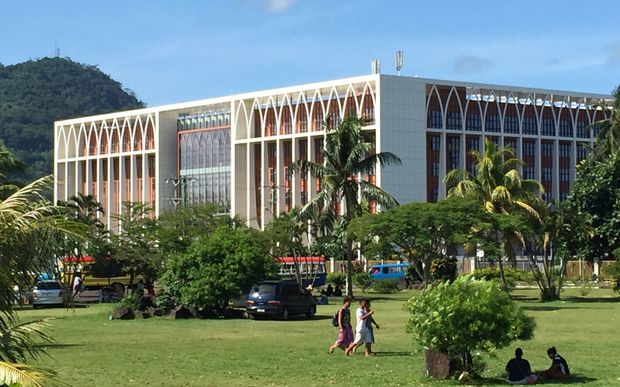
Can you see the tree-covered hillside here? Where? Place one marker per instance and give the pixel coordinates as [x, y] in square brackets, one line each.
[34, 94]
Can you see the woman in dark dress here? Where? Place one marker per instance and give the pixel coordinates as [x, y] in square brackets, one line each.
[345, 332]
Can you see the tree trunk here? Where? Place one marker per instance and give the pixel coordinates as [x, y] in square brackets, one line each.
[349, 267]
[501, 275]
[426, 268]
[500, 263]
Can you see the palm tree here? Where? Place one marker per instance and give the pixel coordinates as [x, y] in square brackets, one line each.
[23, 215]
[608, 139]
[348, 154]
[86, 209]
[499, 187]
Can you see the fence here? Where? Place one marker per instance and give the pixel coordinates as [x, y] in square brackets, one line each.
[465, 265]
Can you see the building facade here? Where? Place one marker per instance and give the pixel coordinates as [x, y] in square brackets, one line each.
[236, 150]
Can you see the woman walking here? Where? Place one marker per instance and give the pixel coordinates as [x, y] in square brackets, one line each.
[345, 332]
[362, 333]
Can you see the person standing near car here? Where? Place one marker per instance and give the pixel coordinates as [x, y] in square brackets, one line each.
[77, 284]
[345, 332]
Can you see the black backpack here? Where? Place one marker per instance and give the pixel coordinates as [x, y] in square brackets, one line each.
[335, 319]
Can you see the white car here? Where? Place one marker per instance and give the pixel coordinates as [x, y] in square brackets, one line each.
[48, 292]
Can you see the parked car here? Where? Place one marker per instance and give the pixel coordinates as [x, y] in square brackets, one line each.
[390, 271]
[48, 292]
[281, 299]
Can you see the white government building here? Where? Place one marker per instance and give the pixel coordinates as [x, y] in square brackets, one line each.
[236, 150]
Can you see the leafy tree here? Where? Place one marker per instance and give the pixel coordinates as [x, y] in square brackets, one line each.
[464, 317]
[559, 235]
[286, 234]
[35, 93]
[218, 267]
[136, 246]
[8, 164]
[422, 232]
[348, 154]
[178, 228]
[596, 192]
[499, 187]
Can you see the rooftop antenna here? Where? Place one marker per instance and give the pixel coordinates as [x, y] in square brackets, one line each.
[375, 65]
[399, 61]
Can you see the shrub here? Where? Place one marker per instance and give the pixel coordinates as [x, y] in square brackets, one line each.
[362, 281]
[218, 266]
[512, 275]
[130, 301]
[464, 317]
[337, 279]
[167, 299]
[613, 270]
[444, 269]
[385, 286]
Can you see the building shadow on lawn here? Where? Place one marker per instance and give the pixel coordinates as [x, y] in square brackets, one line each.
[293, 318]
[521, 297]
[591, 299]
[393, 353]
[574, 379]
[58, 345]
[548, 308]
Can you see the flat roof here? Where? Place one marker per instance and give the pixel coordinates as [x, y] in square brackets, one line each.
[319, 85]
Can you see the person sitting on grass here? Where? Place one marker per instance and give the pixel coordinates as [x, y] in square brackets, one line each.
[519, 371]
[559, 367]
[337, 291]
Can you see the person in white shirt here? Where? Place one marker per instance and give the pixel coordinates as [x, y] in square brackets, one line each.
[77, 285]
[362, 333]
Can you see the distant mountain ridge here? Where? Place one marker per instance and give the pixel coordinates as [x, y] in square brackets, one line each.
[34, 94]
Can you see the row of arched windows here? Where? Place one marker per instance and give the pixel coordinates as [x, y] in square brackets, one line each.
[106, 137]
[452, 108]
[310, 114]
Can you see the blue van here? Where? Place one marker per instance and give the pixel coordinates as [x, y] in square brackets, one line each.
[391, 271]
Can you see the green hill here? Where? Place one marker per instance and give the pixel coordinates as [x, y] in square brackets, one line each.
[34, 94]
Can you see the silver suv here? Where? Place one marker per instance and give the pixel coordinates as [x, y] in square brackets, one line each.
[48, 292]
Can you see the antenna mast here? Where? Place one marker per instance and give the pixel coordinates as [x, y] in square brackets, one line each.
[399, 61]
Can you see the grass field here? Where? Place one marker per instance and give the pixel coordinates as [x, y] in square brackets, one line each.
[94, 351]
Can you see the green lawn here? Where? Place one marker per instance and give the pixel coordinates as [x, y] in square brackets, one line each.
[94, 351]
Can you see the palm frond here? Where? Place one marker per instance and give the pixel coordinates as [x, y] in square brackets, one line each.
[372, 192]
[20, 374]
[383, 158]
[20, 341]
[528, 208]
[512, 179]
[457, 175]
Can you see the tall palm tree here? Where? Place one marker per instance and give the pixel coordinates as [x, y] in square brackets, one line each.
[608, 139]
[348, 154]
[498, 186]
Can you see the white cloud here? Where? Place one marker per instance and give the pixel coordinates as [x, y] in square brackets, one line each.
[278, 5]
[471, 64]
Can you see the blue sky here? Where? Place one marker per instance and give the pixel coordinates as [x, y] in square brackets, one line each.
[173, 51]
